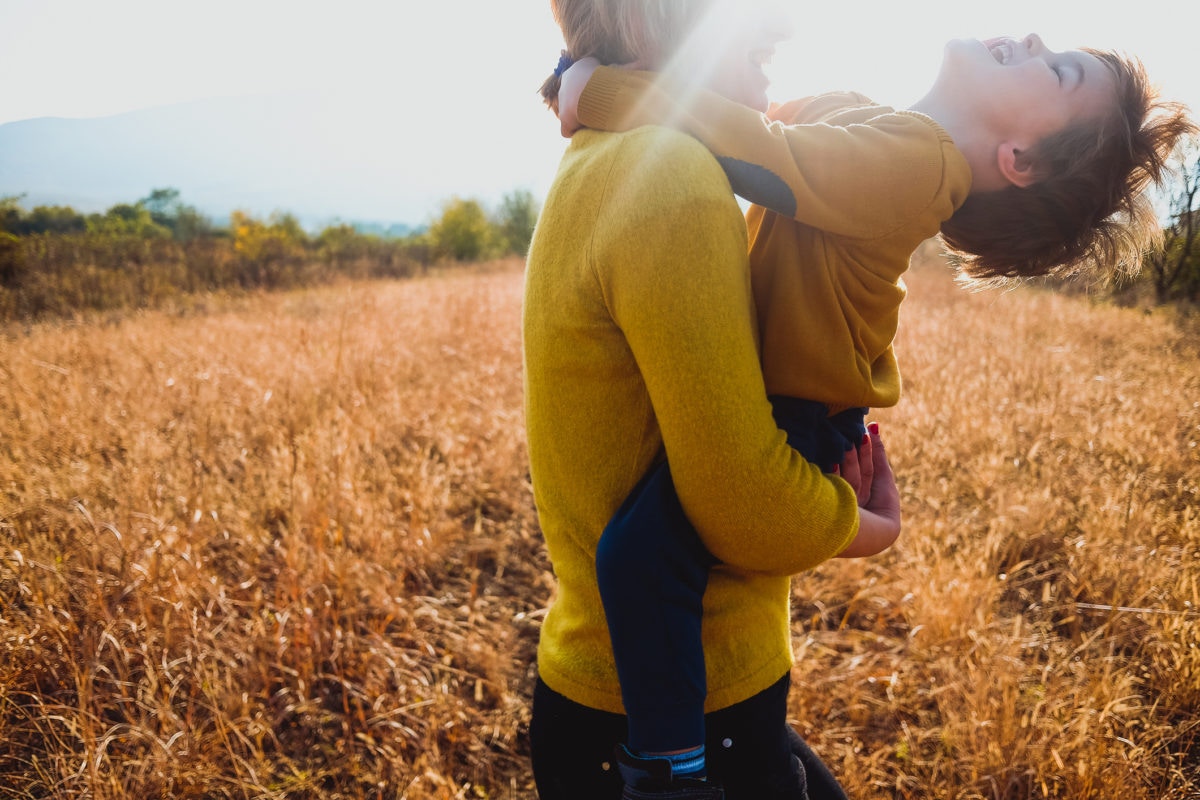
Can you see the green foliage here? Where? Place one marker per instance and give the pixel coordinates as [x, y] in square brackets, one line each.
[1174, 270]
[55, 261]
[463, 232]
[167, 211]
[466, 232]
[162, 205]
[189, 224]
[340, 242]
[53, 219]
[273, 252]
[348, 251]
[514, 221]
[12, 259]
[42, 219]
[10, 214]
[127, 219]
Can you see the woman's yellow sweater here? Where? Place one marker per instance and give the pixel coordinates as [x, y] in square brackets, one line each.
[857, 187]
[640, 343]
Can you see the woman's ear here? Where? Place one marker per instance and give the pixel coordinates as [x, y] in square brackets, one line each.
[1015, 165]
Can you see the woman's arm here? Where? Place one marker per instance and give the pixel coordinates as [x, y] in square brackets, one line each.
[868, 471]
[677, 286]
[864, 176]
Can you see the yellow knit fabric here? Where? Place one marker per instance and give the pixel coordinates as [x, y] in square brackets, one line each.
[639, 340]
[866, 185]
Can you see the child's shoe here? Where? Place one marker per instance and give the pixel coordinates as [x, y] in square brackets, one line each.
[651, 779]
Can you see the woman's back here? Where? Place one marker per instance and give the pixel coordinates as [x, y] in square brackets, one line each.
[639, 337]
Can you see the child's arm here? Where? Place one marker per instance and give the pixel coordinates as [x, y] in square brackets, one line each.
[866, 174]
[571, 86]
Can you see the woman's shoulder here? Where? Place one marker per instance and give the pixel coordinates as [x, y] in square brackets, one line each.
[649, 195]
[660, 164]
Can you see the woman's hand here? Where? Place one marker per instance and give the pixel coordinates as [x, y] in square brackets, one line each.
[858, 468]
[869, 472]
[570, 89]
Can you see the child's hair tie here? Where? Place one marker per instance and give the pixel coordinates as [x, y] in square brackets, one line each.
[564, 63]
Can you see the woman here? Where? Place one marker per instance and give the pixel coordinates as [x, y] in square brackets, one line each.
[639, 345]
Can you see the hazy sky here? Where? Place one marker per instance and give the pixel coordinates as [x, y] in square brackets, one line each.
[455, 80]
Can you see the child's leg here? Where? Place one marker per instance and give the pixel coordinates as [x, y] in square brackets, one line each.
[652, 571]
[822, 439]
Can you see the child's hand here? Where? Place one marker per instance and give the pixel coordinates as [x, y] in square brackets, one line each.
[879, 513]
[570, 90]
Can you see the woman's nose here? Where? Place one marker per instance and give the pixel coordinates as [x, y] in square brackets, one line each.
[1034, 44]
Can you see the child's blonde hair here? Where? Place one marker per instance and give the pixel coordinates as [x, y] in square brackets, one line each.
[622, 31]
[1088, 211]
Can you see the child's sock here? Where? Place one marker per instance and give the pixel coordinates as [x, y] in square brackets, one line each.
[661, 769]
[688, 764]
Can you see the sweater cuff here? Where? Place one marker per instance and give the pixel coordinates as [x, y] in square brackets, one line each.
[598, 99]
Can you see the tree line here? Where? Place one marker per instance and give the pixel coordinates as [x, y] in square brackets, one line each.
[1174, 269]
[57, 261]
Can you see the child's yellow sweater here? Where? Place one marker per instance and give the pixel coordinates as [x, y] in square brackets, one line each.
[639, 338]
[865, 184]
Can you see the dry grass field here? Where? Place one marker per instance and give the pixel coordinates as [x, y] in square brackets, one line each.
[284, 547]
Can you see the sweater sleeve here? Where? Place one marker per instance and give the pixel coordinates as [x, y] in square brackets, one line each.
[836, 162]
[680, 293]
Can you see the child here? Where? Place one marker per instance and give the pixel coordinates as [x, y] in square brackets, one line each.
[1027, 161]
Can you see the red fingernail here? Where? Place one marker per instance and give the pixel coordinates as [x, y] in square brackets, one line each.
[874, 428]
[866, 439]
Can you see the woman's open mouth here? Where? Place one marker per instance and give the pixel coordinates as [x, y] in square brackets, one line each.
[762, 57]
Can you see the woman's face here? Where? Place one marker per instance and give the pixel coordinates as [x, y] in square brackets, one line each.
[730, 47]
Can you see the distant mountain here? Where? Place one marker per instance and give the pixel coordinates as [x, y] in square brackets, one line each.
[320, 157]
